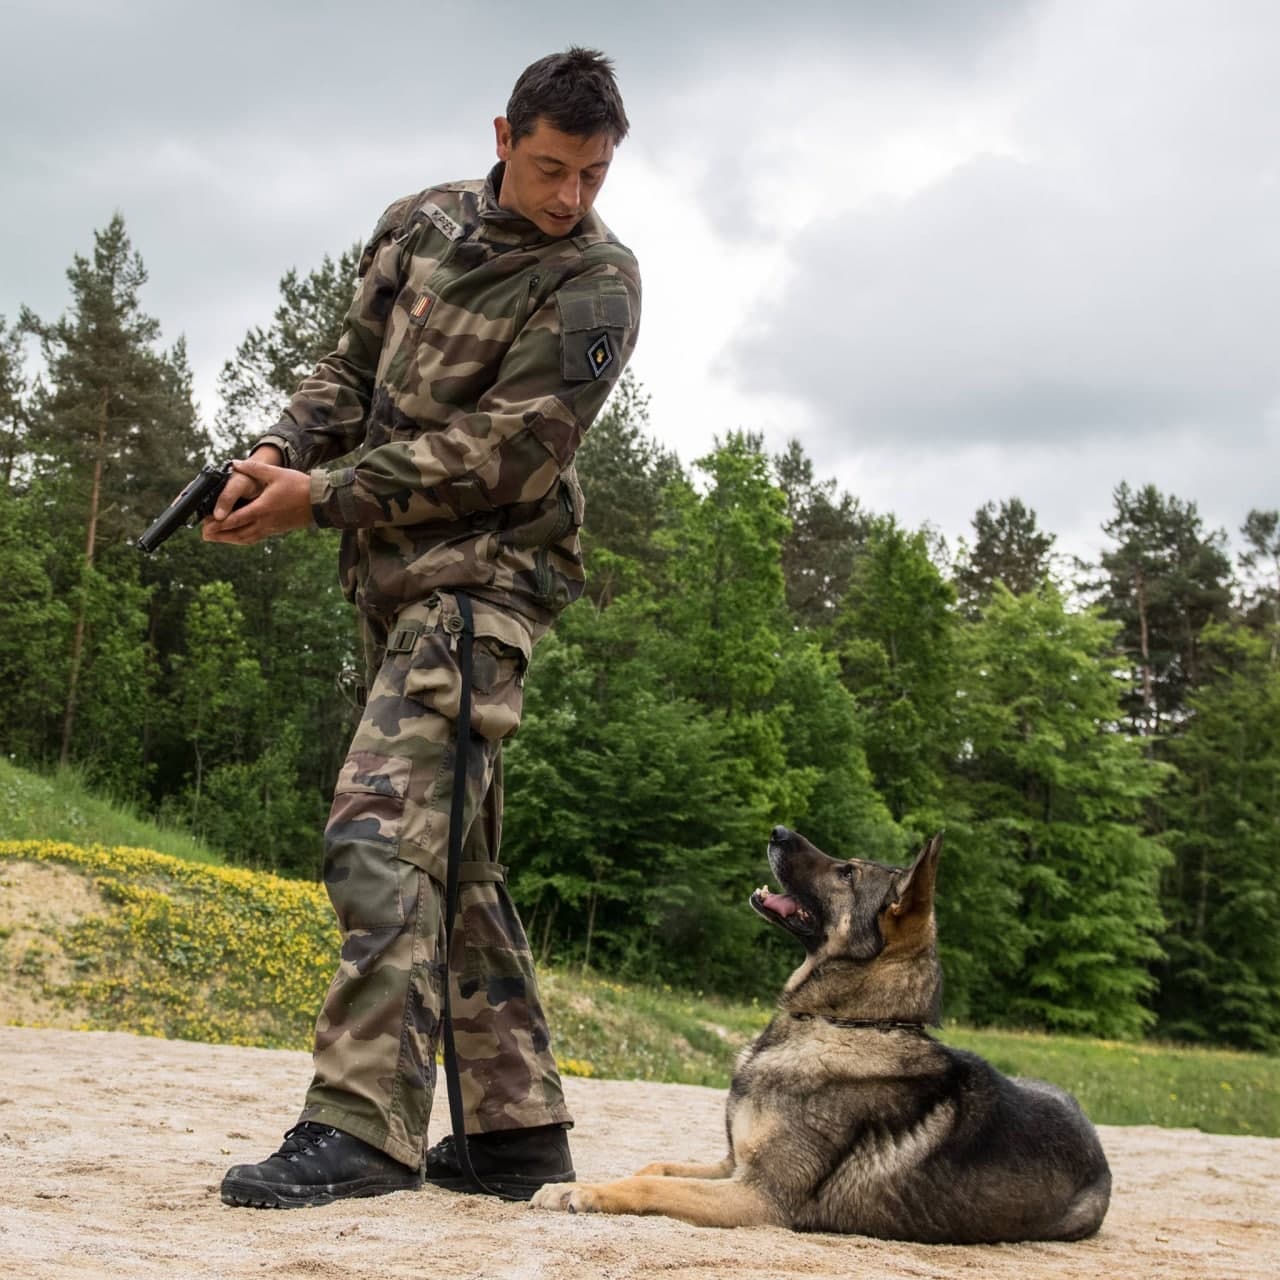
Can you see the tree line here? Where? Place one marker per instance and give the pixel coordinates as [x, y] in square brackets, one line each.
[1099, 742]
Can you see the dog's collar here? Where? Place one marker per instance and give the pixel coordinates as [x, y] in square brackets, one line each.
[875, 1024]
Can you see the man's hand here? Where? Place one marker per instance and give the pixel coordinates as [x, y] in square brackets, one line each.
[279, 500]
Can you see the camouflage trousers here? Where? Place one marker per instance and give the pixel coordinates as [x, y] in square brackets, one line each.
[386, 854]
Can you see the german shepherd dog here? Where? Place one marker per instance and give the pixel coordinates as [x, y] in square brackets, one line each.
[845, 1115]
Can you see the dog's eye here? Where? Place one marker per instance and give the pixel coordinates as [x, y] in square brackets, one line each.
[848, 871]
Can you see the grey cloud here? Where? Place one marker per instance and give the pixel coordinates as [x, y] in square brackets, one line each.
[1117, 274]
[1003, 305]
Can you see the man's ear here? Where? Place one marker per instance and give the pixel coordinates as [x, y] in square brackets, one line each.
[915, 897]
[502, 136]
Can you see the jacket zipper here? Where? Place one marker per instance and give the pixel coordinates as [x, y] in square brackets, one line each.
[528, 298]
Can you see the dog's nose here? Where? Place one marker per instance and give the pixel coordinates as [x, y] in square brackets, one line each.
[780, 835]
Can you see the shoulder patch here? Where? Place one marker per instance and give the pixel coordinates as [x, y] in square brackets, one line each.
[595, 317]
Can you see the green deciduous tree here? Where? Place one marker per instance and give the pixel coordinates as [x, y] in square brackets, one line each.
[35, 627]
[220, 689]
[1221, 980]
[630, 825]
[255, 812]
[823, 735]
[895, 636]
[666, 733]
[1053, 799]
[724, 588]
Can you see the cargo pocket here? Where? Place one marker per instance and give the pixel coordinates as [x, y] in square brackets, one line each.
[497, 689]
[434, 678]
[369, 885]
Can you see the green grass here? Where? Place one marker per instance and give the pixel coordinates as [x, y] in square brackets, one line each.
[619, 1031]
[608, 1029]
[602, 1028]
[58, 806]
[1124, 1082]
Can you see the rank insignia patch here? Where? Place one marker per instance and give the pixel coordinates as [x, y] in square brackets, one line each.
[420, 308]
[600, 355]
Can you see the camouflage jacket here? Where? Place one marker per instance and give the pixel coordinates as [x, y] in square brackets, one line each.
[476, 353]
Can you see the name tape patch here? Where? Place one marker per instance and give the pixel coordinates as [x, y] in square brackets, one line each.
[442, 221]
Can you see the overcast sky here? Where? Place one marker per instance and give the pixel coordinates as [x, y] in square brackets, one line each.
[963, 249]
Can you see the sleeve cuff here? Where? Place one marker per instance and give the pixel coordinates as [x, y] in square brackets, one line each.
[333, 499]
[286, 447]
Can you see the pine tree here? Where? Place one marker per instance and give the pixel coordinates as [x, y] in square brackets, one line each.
[827, 532]
[624, 473]
[115, 425]
[270, 362]
[1261, 564]
[1166, 580]
[1008, 547]
[13, 396]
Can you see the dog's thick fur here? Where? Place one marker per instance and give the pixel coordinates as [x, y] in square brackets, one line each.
[844, 1115]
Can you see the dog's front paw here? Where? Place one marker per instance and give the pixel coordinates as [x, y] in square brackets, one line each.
[658, 1169]
[574, 1198]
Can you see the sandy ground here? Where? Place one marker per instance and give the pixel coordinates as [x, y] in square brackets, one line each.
[113, 1146]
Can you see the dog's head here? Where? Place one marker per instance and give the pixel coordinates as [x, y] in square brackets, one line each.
[852, 917]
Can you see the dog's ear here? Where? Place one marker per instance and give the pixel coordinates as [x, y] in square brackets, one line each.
[915, 895]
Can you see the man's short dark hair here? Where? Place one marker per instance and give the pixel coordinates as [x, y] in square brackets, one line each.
[573, 91]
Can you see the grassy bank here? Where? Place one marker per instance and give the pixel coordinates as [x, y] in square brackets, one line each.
[133, 939]
[58, 806]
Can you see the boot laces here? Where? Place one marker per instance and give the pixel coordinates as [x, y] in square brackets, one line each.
[304, 1138]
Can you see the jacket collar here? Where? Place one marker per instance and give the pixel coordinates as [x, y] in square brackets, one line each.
[508, 227]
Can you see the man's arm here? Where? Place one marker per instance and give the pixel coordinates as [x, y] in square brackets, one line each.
[553, 381]
[325, 417]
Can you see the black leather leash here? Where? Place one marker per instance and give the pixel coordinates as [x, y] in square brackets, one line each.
[461, 763]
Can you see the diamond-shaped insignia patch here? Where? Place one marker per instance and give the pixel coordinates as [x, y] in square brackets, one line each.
[600, 355]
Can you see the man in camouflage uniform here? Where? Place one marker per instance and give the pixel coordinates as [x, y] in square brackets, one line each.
[490, 322]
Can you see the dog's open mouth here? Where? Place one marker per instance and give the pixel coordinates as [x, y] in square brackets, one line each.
[784, 910]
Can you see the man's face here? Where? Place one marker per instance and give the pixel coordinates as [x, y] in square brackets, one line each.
[552, 178]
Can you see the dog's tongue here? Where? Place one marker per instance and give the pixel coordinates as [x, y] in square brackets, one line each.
[779, 904]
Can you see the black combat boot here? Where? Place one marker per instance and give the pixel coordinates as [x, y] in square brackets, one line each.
[510, 1162]
[316, 1164]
